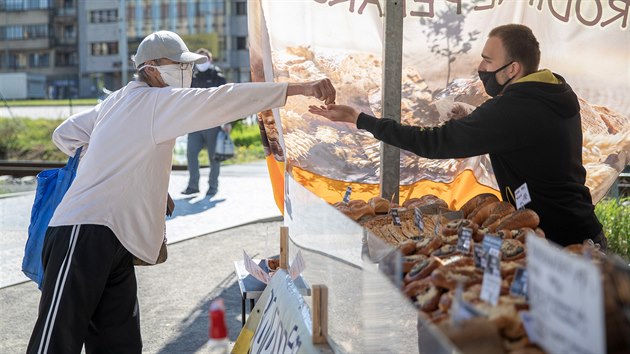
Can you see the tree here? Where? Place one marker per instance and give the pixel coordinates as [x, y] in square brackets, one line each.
[445, 34]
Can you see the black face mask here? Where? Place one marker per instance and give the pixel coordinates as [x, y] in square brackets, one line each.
[489, 80]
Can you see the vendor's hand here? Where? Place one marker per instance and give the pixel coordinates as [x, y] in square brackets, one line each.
[321, 89]
[336, 113]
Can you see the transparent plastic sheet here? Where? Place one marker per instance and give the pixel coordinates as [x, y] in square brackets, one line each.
[367, 312]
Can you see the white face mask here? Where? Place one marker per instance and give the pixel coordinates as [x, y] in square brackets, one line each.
[174, 75]
[203, 66]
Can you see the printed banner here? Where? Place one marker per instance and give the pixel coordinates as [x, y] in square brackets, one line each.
[587, 42]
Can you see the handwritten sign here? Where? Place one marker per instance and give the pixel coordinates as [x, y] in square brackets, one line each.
[464, 241]
[566, 300]
[521, 194]
[418, 219]
[395, 217]
[346, 197]
[255, 270]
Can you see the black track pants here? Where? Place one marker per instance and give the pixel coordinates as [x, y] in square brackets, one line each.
[89, 294]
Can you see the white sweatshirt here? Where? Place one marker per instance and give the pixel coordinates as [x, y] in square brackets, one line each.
[122, 179]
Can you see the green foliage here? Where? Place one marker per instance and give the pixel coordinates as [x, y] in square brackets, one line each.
[9, 129]
[245, 135]
[615, 216]
[29, 139]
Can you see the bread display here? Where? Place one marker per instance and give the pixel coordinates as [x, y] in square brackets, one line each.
[433, 265]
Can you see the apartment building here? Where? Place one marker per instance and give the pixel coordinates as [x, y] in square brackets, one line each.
[83, 46]
[40, 37]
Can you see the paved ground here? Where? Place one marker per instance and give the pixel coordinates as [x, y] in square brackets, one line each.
[175, 296]
[50, 112]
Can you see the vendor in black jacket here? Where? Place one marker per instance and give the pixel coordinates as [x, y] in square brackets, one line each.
[531, 129]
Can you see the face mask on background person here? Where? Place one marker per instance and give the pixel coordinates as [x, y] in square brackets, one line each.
[489, 80]
[203, 66]
[175, 75]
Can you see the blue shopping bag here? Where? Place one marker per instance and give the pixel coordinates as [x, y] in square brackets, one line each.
[51, 187]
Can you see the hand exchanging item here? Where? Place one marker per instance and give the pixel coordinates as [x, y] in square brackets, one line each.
[321, 89]
[336, 113]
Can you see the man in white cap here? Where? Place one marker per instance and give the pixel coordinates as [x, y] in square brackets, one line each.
[114, 210]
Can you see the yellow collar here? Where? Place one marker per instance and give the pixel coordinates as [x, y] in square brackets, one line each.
[544, 75]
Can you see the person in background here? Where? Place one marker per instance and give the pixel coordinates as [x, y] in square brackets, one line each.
[531, 128]
[114, 209]
[205, 75]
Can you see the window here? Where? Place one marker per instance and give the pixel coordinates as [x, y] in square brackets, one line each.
[14, 32]
[19, 32]
[104, 16]
[240, 8]
[39, 60]
[66, 59]
[104, 48]
[13, 5]
[35, 31]
[17, 61]
[241, 43]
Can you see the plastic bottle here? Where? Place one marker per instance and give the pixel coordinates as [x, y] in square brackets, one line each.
[217, 332]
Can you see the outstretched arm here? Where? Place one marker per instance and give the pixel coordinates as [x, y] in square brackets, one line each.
[336, 113]
[322, 89]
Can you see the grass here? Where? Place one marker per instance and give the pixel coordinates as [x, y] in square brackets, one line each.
[615, 216]
[30, 139]
[61, 102]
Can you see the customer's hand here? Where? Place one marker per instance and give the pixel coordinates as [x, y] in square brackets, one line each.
[321, 89]
[336, 113]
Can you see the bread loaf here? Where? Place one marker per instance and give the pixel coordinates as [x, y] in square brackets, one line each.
[475, 201]
[520, 218]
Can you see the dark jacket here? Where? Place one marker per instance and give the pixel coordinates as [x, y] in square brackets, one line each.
[210, 78]
[533, 135]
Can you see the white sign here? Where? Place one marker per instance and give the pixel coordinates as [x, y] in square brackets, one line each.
[279, 323]
[255, 270]
[297, 267]
[566, 300]
[521, 194]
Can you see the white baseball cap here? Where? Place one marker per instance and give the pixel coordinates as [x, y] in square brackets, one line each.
[166, 44]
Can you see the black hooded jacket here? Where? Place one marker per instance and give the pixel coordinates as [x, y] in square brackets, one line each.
[533, 135]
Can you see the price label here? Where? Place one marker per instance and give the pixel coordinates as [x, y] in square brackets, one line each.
[479, 255]
[491, 285]
[418, 219]
[346, 197]
[395, 217]
[521, 194]
[519, 284]
[464, 240]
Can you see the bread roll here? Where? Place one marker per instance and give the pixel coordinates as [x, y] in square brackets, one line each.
[380, 205]
[428, 244]
[447, 277]
[512, 249]
[422, 268]
[407, 248]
